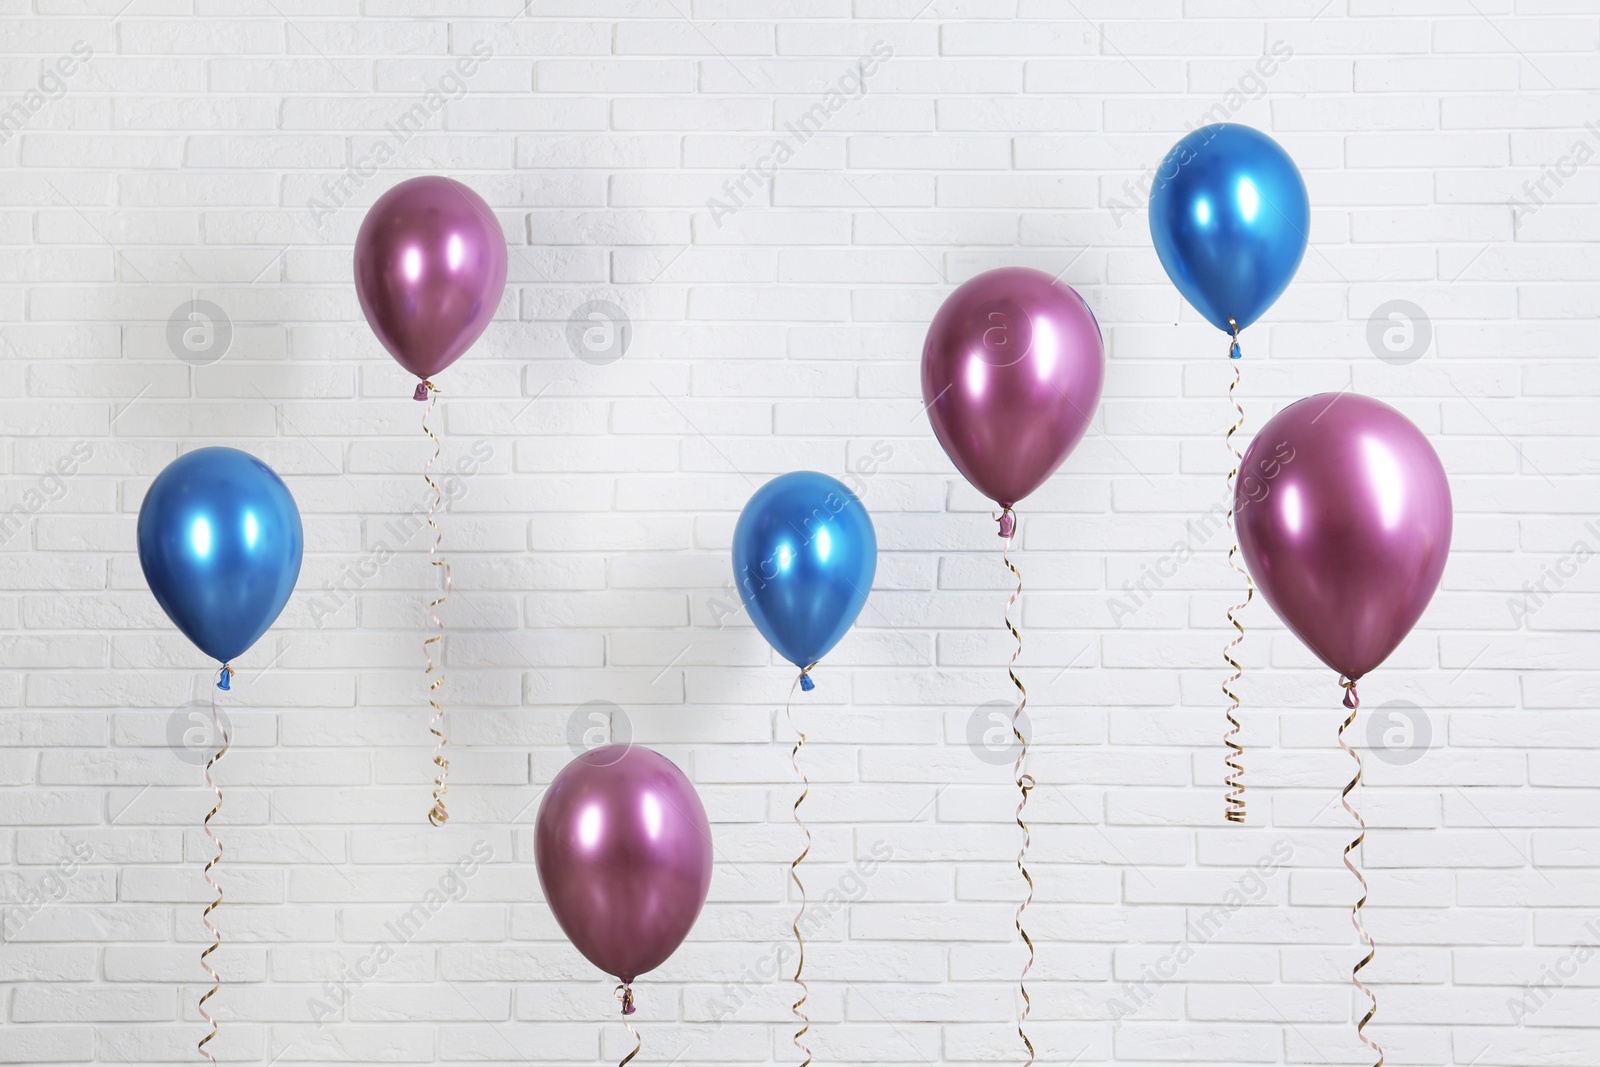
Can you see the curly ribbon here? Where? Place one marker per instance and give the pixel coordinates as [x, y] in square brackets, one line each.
[1025, 782]
[1353, 701]
[438, 816]
[624, 993]
[1234, 780]
[805, 791]
[205, 916]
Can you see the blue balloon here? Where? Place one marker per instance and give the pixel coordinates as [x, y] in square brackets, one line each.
[804, 553]
[1229, 216]
[220, 544]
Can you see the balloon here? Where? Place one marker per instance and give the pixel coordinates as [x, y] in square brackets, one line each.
[804, 553]
[1229, 217]
[1011, 373]
[1343, 513]
[430, 269]
[623, 850]
[220, 544]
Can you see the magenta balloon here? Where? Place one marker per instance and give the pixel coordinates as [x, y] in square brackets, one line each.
[1343, 512]
[1011, 373]
[623, 850]
[430, 270]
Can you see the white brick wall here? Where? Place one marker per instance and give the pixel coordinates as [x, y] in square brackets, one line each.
[590, 542]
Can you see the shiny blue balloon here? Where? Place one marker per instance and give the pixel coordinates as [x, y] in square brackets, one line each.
[220, 544]
[804, 553]
[1229, 216]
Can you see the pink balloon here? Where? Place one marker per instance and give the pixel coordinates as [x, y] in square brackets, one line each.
[1343, 512]
[1011, 373]
[623, 850]
[430, 269]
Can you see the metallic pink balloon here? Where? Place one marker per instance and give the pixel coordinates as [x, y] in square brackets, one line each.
[1343, 512]
[1011, 374]
[430, 270]
[623, 850]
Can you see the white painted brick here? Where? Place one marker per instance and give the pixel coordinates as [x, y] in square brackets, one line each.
[923, 152]
[591, 549]
[685, 38]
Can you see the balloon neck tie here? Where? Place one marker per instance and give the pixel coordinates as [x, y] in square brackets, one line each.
[224, 677]
[1008, 523]
[625, 994]
[1234, 351]
[422, 390]
[806, 684]
[1353, 702]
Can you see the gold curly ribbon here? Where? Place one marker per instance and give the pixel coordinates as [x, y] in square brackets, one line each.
[1234, 802]
[624, 993]
[205, 916]
[1025, 782]
[1353, 702]
[438, 816]
[805, 791]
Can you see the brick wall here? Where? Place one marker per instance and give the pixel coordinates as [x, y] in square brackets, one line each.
[769, 224]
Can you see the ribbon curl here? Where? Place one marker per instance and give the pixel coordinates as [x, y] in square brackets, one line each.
[1234, 809]
[805, 791]
[624, 993]
[438, 815]
[1025, 782]
[205, 916]
[1353, 701]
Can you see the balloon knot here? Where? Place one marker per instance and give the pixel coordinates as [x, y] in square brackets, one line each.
[422, 391]
[223, 678]
[1351, 699]
[1008, 523]
[806, 684]
[1234, 351]
[627, 1000]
